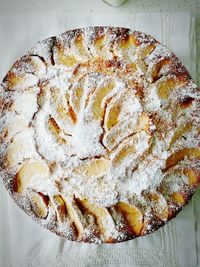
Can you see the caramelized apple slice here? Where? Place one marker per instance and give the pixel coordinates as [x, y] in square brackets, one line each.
[178, 198]
[143, 122]
[12, 80]
[53, 127]
[120, 131]
[182, 130]
[132, 216]
[125, 151]
[38, 65]
[15, 150]
[62, 111]
[158, 205]
[75, 98]
[79, 43]
[179, 155]
[186, 102]
[98, 97]
[64, 57]
[113, 137]
[99, 42]
[15, 125]
[113, 111]
[22, 147]
[184, 180]
[166, 86]
[30, 170]
[127, 47]
[130, 149]
[158, 67]
[74, 216]
[101, 47]
[60, 207]
[93, 167]
[21, 81]
[128, 42]
[116, 107]
[193, 176]
[102, 216]
[39, 204]
[112, 117]
[143, 52]
[141, 65]
[55, 130]
[177, 184]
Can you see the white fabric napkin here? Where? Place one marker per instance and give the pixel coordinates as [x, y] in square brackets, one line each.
[23, 243]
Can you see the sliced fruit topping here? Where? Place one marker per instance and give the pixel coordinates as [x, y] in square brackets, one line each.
[75, 98]
[12, 80]
[53, 127]
[74, 216]
[56, 131]
[166, 86]
[72, 114]
[38, 65]
[180, 132]
[125, 151]
[143, 122]
[93, 167]
[66, 59]
[189, 153]
[113, 114]
[99, 42]
[62, 111]
[98, 97]
[158, 67]
[127, 47]
[121, 108]
[39, 204]
[14, 125]
[79, 43]
[21, 148]
[122, 130]
[132, 216]
[102, 217]
[193, 176]
[127, 42]
[158, 204]
[60, 207]
[143, 52]
[177, 186]
[29, 171]
[130, 149]
[178, 198]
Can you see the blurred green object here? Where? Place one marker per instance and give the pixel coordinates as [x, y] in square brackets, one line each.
[115, 3]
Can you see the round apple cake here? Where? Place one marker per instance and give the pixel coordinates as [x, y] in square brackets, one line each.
[99, 132]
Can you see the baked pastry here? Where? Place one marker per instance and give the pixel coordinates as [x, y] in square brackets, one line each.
[100, 134]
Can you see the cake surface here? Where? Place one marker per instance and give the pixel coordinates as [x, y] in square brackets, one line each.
[99, 132]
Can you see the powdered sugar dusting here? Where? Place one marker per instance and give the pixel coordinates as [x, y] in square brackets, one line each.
[97, 113]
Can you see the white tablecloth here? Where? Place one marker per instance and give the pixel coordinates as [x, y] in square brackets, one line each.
[22, 241]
